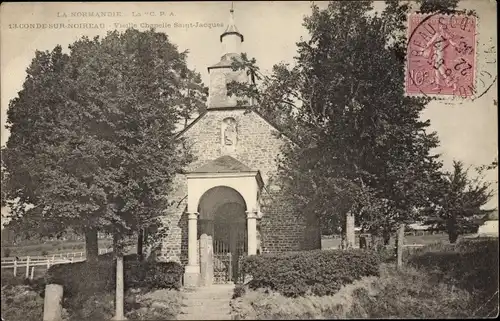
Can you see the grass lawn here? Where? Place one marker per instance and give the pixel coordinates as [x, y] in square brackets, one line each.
[52, 247]
[49, 248]
[328, 243]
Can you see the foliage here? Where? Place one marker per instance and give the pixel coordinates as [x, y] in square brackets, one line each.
[461, 197]
[91, 278]
[239, 290]
[84, 307]
[139, 305]
[471, 265]
[407, 293]
[320, 272]
[358, 142]
[156, 305]
[92, 134]
[9, 280]
[20, 303]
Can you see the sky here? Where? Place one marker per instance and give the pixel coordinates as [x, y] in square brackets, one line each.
[467, 129]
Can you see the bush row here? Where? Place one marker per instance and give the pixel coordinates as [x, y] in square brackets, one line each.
[98, 277]
[319, 272]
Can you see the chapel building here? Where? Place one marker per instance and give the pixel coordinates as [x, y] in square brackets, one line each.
[226, 193]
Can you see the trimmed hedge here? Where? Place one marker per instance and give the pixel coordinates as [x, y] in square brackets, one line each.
[319, 272]
[98, 277]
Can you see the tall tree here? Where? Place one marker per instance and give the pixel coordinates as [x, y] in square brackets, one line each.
[359, 142]
[461, 197]
[193, 101]
[92, 143]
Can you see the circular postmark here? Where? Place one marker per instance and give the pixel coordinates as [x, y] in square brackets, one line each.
[443, 58]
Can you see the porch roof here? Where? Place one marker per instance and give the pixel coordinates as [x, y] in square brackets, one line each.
[223, 164]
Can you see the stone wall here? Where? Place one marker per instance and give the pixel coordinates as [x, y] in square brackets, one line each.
[257, 147]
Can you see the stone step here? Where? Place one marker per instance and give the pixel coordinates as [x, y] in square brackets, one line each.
[207, 303]
[205, 317]
[213, 298]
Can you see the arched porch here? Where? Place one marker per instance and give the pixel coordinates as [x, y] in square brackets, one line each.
[225, 206]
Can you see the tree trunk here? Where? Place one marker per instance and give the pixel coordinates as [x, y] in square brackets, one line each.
[452, 236]
[452, 229]
[91, 245]
[342, 239]
[386, 234]
[140, 242]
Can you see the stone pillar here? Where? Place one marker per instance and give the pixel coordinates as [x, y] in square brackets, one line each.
[252, 232]
[192, 271]
[206, 260]
[52, 306]
[350, 236]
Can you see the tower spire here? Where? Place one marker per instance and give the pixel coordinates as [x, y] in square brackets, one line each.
[231, 27]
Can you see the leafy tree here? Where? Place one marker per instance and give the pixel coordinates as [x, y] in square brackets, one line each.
[92, 143]
[194, 96]
[462, 197]
[359, 142]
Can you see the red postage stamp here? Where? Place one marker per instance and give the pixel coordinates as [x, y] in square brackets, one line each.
[441, 55]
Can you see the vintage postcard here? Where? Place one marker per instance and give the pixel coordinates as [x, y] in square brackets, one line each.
[233, 160]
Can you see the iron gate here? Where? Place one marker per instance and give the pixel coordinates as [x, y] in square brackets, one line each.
[227, 263]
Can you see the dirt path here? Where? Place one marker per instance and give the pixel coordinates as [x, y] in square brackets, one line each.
[207, 303]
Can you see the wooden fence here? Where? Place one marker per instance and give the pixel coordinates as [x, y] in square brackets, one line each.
[28, 263]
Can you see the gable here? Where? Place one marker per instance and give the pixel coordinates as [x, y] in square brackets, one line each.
[223, 164]
[254, 141]
[269, 122]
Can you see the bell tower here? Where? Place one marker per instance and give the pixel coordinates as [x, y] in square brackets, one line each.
[221, 74]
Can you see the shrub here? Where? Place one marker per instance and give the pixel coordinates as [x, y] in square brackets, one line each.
[320, 272]
[92, 278]
[9, 280]
[407, 293]
[98, 306]
[20, 303]
[155, 305]
[6, 252]
[238, 291]
[471, 265]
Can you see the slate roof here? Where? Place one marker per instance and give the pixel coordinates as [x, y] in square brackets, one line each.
[225, 61]
[223, 164]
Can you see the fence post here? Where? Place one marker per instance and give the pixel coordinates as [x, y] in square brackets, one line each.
[15, 267]
[32, 272]
[230, 274]
[27, 267]
[48, 263]
[400, 244]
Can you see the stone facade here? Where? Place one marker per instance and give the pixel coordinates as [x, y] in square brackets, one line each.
[257, 146]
